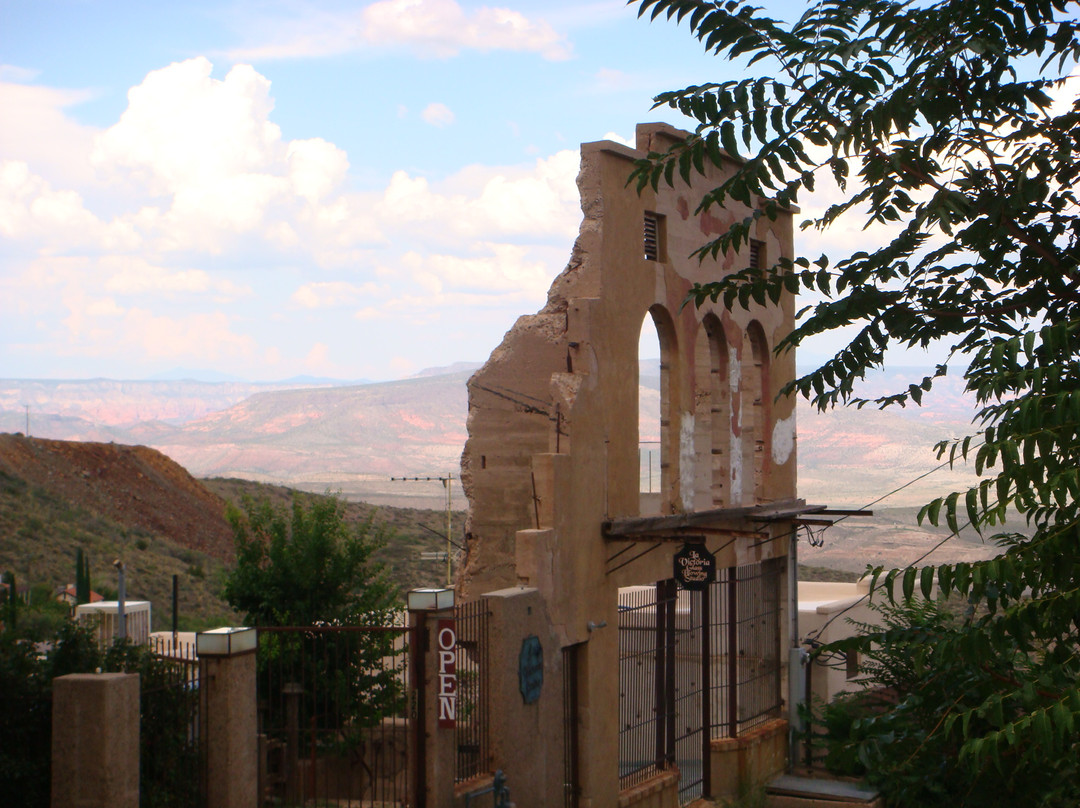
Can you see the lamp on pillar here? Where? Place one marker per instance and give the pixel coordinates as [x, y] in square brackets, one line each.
[426, 600]
[226, 641]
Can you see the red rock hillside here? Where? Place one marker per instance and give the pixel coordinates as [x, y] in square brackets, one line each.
[132, 485]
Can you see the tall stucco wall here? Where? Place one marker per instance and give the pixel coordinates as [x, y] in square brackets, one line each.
[565, 380]
[553, 423]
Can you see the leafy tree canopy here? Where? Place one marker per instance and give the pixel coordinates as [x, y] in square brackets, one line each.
[951, 123]
[306, 567]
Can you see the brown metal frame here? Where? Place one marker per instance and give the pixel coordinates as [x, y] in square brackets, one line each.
[311, 679]
[571, 717]
[472, 733]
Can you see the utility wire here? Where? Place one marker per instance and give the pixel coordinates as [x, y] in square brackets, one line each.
[914, 563]
[917, 561]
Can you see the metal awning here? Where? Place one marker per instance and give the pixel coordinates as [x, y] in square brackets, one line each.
[698, 524]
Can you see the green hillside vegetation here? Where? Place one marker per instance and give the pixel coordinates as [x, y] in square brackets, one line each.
[41, 532]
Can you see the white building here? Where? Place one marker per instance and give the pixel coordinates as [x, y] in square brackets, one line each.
[826, 610]
[104, 614]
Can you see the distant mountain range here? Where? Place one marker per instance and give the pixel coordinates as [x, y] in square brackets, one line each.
[355, 437]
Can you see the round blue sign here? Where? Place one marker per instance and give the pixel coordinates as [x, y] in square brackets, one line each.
[531, 669]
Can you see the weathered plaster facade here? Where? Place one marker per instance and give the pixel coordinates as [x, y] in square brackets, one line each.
[552, 456]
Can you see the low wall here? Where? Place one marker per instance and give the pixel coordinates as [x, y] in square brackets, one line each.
[660, 791]
[750, 760]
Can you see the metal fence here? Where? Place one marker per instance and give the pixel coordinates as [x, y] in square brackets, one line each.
[759, 610]
[171, 764]
[646, 637]
[694, 666]
[745, 610]
[25, 742]
[473, 691]
[688, 709]
[333, 712]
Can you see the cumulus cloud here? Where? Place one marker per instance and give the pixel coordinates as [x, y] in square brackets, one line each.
[437, 114]
[428, 28]
[215, 167]
[182, 128]
[206, 335]
[316, 167]
[194, 193]
[134, 275]
[502, 267]
[540, 201]
[94, 324]
[38, 131]
[318, 360]
[32, 210]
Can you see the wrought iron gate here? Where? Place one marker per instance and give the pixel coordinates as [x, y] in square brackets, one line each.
[473, 739]
[694, 666]
[334, 715]
[662, 652]
[171, 761]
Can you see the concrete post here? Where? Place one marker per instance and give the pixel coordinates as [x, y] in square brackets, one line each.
[228, 717]
[95, 746]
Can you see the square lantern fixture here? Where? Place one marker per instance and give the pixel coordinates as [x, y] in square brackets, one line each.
[421, 600]
[226, 641]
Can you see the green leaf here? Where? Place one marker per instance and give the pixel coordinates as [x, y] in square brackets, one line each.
[727, 138]
[926, 582]
[909, 582]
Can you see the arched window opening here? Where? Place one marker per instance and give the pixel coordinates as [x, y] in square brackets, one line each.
[720, 424]
[655, 397]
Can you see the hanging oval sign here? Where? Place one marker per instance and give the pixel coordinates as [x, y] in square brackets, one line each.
[695, 567]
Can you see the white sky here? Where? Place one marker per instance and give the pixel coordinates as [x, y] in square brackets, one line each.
[265, 190]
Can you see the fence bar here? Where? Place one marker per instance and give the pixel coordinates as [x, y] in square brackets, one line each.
[706, 691]
[733, 653]
[571, 775]
[660, 702]
[670, 590]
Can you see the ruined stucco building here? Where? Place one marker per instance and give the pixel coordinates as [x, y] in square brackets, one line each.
[551, 472]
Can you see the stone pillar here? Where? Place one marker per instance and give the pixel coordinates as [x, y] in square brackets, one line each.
[436, 689]
[228, 717]
[95, 745]
[526, 709]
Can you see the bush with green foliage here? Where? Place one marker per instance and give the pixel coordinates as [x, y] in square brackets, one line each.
[309, 567]
[306, 566]
[950, 122]
[892, 731]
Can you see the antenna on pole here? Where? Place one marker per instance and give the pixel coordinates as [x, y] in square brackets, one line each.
[448, 483]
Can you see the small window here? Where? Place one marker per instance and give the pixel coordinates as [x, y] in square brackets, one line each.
[757, 254]
[652, 236]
